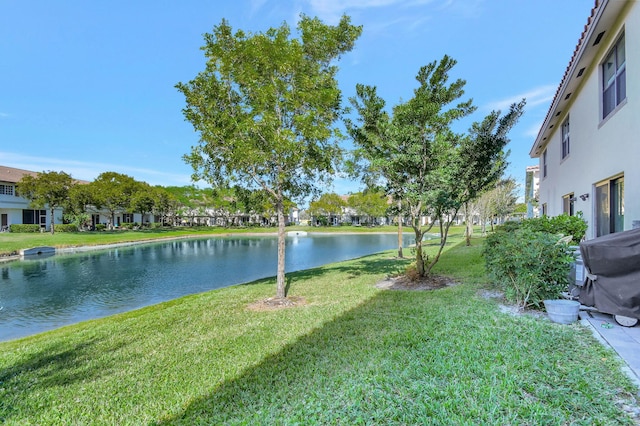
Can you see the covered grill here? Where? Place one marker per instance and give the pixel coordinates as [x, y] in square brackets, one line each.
[612, 283]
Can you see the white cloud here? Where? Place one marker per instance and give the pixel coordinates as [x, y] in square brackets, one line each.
[536, 96]
[4, 115]
[331, 10]
[86, 170]
[533, 130]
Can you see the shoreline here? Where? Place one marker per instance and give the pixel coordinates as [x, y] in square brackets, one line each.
[85, 248]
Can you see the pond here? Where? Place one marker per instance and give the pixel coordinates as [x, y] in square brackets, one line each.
[46, 293]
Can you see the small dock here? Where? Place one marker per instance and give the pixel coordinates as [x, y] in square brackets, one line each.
[37, 251]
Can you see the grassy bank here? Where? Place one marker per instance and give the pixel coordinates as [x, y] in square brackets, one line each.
[353, 355]
[11, 243]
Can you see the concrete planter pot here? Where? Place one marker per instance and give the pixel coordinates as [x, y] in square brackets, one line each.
[562, 311]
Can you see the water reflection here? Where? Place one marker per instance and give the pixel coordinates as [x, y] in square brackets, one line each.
[45, 293]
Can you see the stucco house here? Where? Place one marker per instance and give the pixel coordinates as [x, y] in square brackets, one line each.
[589, 143]
[16, 210]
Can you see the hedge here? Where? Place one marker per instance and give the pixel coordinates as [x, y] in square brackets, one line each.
[24, 228]
[563, 224]
[67, 227]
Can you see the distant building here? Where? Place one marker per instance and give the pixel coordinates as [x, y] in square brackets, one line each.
[588, 144]
[16, 210]
[532, 184]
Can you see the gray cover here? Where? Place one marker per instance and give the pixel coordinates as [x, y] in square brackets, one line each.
[612, 284]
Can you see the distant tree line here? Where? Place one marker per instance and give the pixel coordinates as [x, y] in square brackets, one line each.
[368, 206]
[114, 193]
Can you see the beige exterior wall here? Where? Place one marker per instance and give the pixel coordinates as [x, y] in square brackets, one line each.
[600, 149]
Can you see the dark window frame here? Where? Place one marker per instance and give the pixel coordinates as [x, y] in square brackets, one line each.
[609, 206]
[566, 147]
[614, 81]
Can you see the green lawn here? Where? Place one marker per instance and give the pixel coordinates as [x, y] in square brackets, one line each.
[353, 355]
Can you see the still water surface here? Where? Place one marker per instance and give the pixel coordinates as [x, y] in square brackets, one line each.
[43, 294]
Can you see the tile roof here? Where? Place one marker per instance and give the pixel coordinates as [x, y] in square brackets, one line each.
[575, 57]
[13, 175]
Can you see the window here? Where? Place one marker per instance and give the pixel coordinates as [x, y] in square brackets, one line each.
[544, 209]
[6, 189]
[34, 217]
[565, 138]
[610, 206]
[568, 202]
[127, 217]
[544, 163]
[614, 81]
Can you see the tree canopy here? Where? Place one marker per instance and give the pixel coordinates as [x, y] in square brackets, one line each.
[432, 170]
[47, 189]
[369, 203]
[330, 204]
[265, 109]
[112, 191]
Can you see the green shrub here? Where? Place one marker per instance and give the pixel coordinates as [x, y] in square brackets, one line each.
[322, 220]
[155, 225]
[100, 226]
[563, 224]
[510, 225]
[67, 227]
[24, 228]
[530, 266]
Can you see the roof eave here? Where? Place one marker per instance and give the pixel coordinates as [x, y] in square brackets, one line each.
[603, 15]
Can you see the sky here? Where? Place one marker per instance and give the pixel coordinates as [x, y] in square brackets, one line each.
[89, 86]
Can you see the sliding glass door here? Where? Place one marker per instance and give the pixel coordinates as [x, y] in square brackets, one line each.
[610, 206]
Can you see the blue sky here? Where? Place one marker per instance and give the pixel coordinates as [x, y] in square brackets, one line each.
[88, 86]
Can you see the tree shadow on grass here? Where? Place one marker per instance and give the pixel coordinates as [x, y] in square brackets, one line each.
[57, 364]
[374, 264]
[293, 385]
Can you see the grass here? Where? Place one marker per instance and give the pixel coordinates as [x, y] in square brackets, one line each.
[353, 355]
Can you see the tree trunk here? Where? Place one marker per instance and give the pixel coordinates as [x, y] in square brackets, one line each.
[52, 220]
[469, 225]
[419, 259]
[280, 279]
[399, 230]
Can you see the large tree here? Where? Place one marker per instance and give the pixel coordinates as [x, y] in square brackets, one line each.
[113, 192]
[265, 109]
[328, 205]
[374, 140]
[369, 203]
[164, 204]
[46, 189]
[143, 199]
[433, 170]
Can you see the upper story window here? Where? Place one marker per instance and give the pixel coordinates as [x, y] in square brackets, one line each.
[565, 139]
[6, 189]
[614, 81]
[544, 164]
